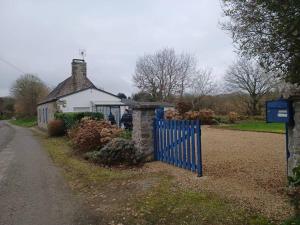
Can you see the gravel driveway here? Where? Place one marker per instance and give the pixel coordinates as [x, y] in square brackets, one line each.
[32, 190]
[246, 167]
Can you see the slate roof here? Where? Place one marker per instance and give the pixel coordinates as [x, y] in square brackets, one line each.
[67, 87]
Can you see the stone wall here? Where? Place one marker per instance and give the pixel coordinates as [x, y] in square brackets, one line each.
[143, 117]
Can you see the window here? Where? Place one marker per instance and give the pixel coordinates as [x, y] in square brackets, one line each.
[106, 109]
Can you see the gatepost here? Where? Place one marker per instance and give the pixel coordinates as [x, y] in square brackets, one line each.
[294, 135]
[143, 115]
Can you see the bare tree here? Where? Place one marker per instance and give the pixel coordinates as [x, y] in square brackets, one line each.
[248, 77]
[202, 84]
[28, 90]
[164, 74]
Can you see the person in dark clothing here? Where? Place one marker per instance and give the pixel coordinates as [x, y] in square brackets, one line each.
[111, 118]
[127, 120]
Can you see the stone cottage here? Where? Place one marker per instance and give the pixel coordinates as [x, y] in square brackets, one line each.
[78, 94]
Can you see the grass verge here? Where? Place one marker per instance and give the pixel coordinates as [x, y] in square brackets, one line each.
[258, 126]
[28, 122]
[141, 196]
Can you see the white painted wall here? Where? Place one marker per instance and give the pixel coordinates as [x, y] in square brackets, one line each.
[45, 113]
[85, 98]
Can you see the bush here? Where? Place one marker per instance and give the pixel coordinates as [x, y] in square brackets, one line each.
[90, 134]
[4, 117]
[117, 151]
[292, 221]
[206, 116]
[221, 119]
[72, 119]
[233, 117]
[258, 117]
[56, 128]
[182, 107]
[215, 122]
[126, 134]
[173, 115]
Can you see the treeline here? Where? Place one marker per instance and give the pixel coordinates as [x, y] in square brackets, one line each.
[171, 77]
[25, 92]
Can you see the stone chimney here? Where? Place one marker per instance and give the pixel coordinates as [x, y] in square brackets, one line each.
[78, 73]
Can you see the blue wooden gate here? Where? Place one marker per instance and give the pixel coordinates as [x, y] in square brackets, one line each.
[178, 142]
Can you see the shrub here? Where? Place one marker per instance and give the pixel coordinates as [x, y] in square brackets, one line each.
[258, 117]
[92, 134]
[126, 134]
[233, 117]
[221, 119]
[292, 221]
[5, 117]
[56, 128]
[182, 107]
[206, 116]
[215, 122]
[173, 115]
[72, 119]
[117, 151]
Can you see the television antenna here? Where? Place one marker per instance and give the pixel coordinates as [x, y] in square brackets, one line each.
[82, 53]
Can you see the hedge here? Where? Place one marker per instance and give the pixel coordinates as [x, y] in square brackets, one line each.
[71, 118]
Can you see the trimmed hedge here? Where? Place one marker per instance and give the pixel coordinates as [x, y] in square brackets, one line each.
[71, 119]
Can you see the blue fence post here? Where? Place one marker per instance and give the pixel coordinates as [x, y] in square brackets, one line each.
[160, 139]
[184, 143]
[176, 143]
[155, 138]
[165, 141]
[172, 142]
[189, 144]
[193, 144]
[180, 143]
[199, 153]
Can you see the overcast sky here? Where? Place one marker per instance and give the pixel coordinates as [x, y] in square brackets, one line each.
[42, 37]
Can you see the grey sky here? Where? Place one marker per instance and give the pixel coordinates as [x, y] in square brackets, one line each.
[42, 37]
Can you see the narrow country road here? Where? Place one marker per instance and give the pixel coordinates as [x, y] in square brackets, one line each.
[32, 189]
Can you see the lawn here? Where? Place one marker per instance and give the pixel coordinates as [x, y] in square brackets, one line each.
[142, 195]
[259, 126]
[28, 122]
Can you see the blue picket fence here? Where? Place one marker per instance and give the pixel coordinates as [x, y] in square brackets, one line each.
[178, 142]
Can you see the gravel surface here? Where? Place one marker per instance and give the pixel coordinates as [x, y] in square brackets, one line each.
[246, 167]
[32, 189]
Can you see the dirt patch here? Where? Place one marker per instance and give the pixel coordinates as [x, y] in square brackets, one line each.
[246, 167]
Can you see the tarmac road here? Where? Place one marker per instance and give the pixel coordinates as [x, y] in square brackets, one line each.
[32, 189]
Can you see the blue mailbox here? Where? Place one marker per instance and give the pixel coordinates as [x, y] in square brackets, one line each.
[278, 111]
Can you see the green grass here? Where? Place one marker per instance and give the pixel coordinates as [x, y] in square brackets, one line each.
[76, 168]
[170, 204]
[28, 122]
[130, 202]
[255, 125]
